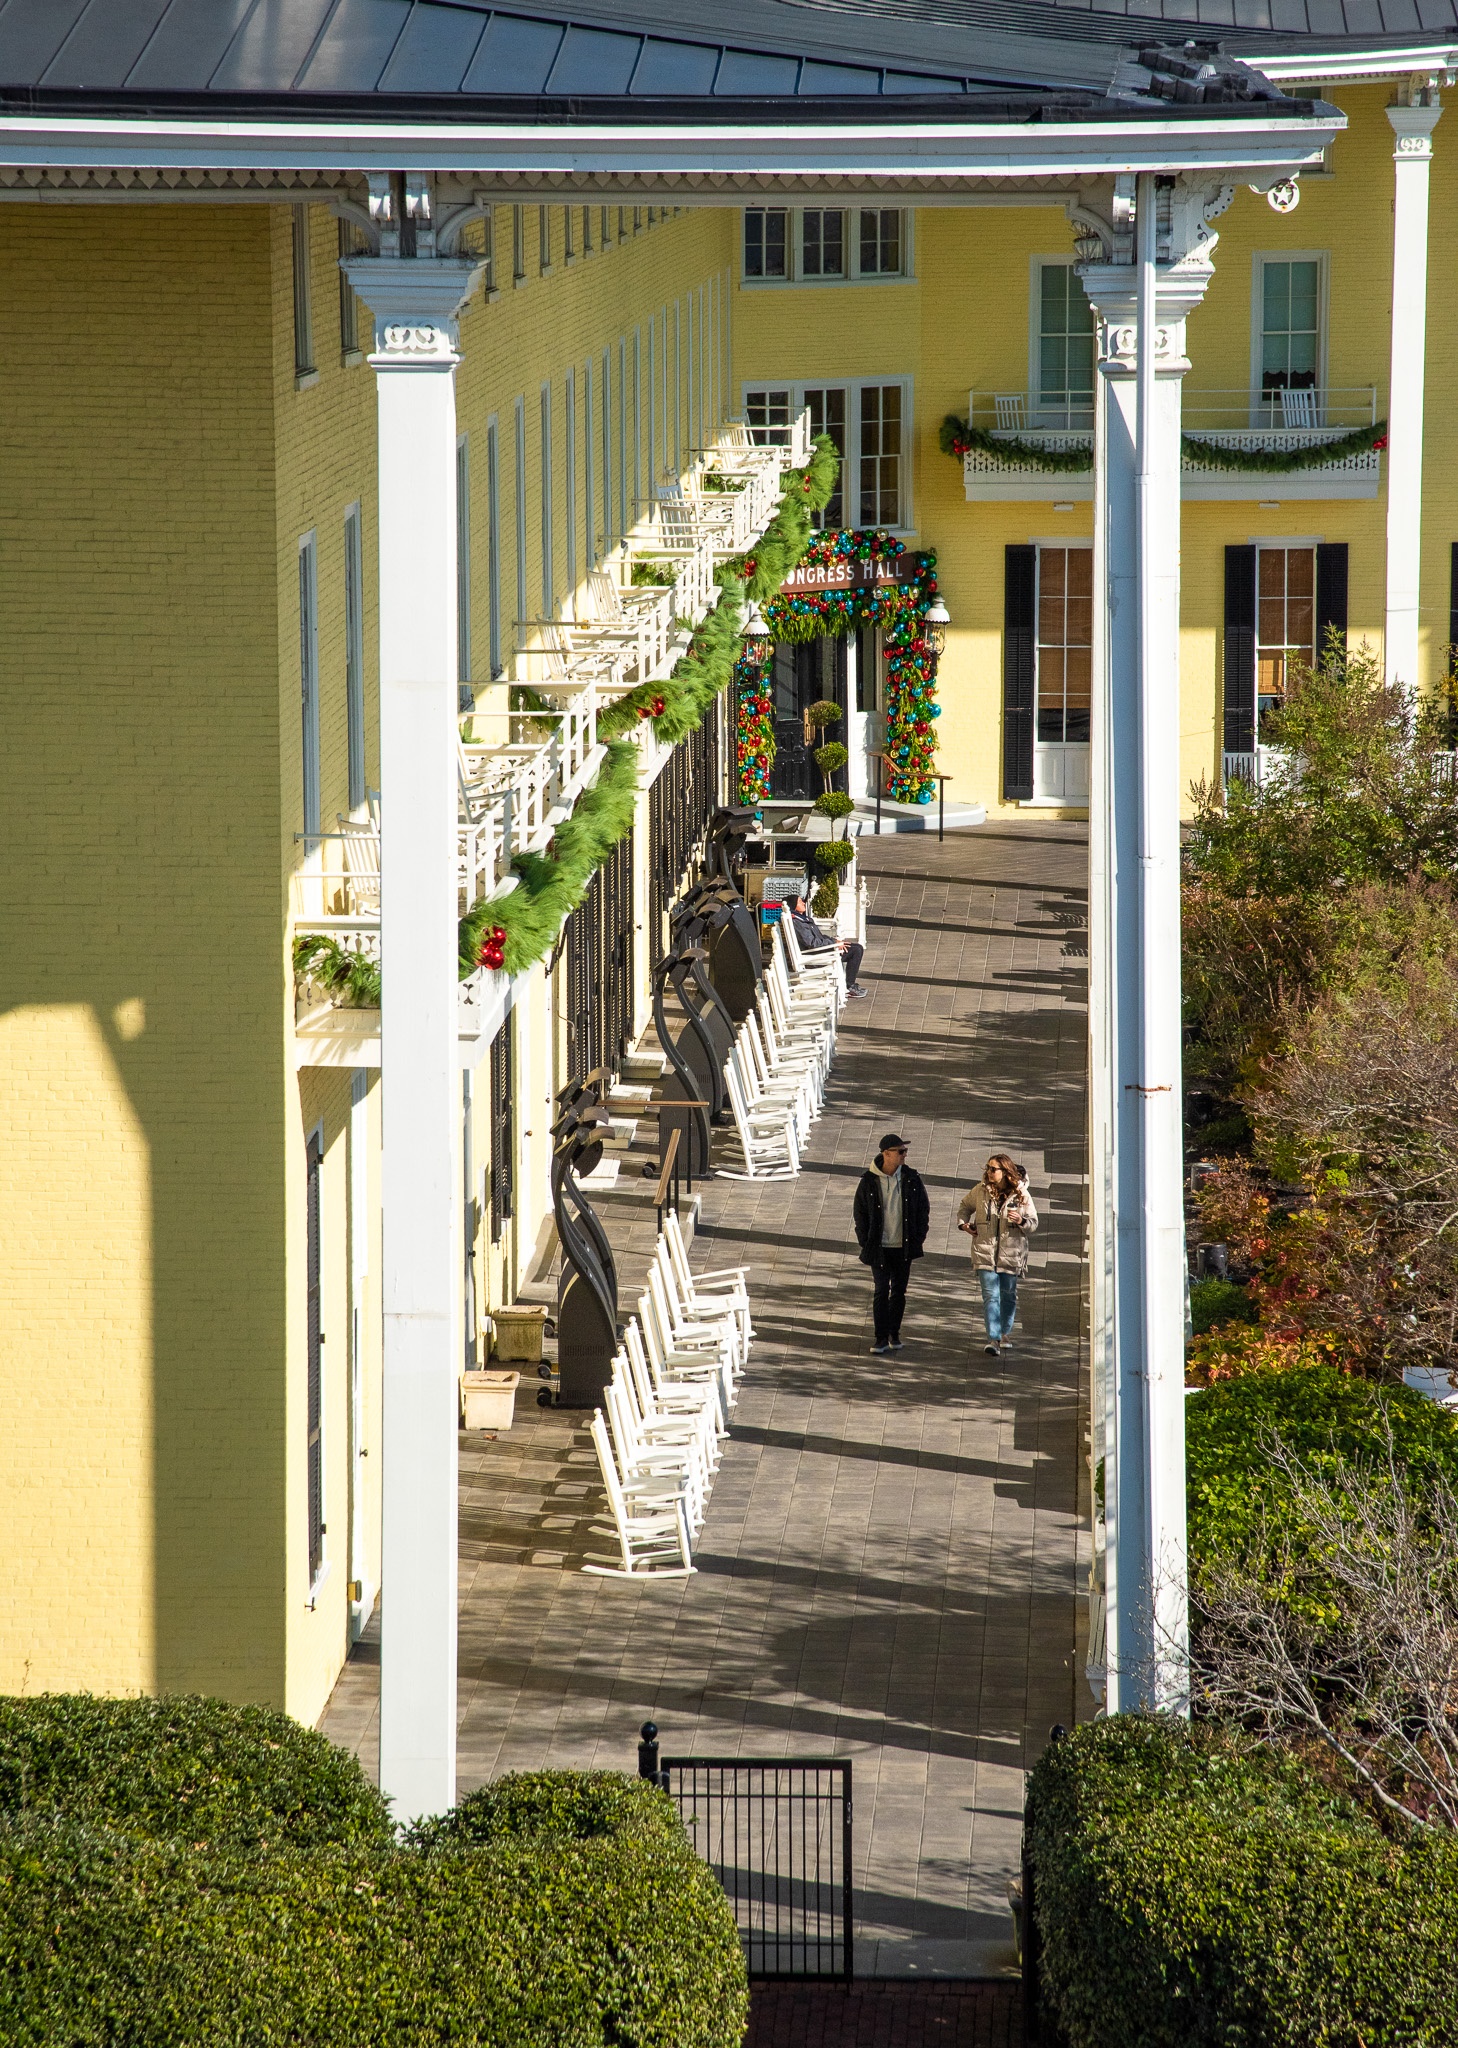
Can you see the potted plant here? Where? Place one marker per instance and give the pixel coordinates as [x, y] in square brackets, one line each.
[834, 856]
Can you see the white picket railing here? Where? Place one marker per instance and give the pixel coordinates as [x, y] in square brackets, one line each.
[521, 771]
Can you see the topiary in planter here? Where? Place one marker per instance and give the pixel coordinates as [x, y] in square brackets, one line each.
[826, 900]
[822, 713]
[833, 856]
[834, 803]
[829, 758]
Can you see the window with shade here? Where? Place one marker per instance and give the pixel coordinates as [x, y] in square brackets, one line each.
[1065, 352]
[1065, 645]
[1285, 619]
[1290, 327]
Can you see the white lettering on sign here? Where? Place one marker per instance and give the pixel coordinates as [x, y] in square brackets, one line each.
[846, 574]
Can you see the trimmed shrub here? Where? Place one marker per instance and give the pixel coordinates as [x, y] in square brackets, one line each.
[1239, 1504]
[833, 855]
[239, 1778]
[549, 1908]
[826, 900]
[1192, 1895]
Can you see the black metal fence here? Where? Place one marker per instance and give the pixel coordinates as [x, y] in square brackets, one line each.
[776, 1832]
[680, 804]
[599, 948]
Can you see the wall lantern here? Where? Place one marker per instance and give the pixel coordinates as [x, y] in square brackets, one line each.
[934, 624]
[758, 643]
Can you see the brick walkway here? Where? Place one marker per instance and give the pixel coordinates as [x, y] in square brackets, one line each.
[889, 1564]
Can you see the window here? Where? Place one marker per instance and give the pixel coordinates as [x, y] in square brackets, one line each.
[463, 560]
[589, 479]
[1285, 619]
[303, 324]
[765, 237]
[880, 455]
[880, 241]
[309, 679]
[502, 1143]
[604, 226]
[637, 420]
[587, 230]
[569, 245]
[1063, 379]
[1290, 327]
[622, 433]
[822, 242]
[544, 241]
[549, 598]
[869, 424]
[354, 712]
[493, 545]
[569, 451]
[606, 528]
[352, 242]
[518, 245]
[314, 1440]
[521, 512]
[827, 416]
[1065, 645]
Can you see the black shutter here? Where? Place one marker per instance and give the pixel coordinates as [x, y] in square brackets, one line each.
[1020, 597]
[1331, 593]
[1240, 664]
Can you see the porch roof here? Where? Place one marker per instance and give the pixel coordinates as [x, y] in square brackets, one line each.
[710, 99]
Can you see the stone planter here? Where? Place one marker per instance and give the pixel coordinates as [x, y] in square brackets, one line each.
[518, 1333]
[488, 1399]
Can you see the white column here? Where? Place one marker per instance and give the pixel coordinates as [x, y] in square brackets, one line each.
[1139, 1294]
[414, 301]
[1412, 158]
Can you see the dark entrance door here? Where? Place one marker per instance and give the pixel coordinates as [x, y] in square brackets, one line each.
[805, 672]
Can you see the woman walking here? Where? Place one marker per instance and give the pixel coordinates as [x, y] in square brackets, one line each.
[999, 1216]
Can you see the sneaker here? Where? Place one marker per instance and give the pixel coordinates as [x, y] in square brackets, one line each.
[991, 1350]
[895, 1344]
[858, 992]
[879, 1350]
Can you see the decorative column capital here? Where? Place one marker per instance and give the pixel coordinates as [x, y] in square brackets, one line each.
[1413, 128]
[1113, 290]
[416, 303]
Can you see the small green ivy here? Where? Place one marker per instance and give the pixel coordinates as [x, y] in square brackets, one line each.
[958, 439]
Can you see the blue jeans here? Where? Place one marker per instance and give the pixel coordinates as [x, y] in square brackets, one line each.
[999, 1304]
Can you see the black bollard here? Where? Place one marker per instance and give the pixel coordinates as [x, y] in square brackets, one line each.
[648, 1765]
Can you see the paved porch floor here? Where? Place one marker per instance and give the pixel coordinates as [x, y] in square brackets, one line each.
[889, 1565]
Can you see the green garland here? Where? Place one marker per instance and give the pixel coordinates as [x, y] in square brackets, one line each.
[958, 439]
[551, 884]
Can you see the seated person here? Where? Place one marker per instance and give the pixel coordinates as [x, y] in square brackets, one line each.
[813, 939]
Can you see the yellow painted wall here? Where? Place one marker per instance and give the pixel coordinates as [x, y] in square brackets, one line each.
[140, 1052]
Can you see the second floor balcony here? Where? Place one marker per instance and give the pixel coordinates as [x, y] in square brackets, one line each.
[1268, 445]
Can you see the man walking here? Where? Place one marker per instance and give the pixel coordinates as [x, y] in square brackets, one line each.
[892, 1215]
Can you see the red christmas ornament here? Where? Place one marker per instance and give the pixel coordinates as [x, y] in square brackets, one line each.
[658, 707]
[644, 711]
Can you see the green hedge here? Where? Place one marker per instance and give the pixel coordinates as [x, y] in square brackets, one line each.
[551, 1909]
[242, 1778]
[1239, 1504]
[1191, 1896]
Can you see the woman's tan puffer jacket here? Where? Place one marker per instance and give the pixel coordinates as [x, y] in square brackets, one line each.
[999, 1242]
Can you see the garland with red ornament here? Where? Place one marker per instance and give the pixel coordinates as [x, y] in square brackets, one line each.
[899, 608]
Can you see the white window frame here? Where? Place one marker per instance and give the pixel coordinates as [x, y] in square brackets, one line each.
[1259, 259]
[1036, 402]
[547, 565]
[795, 253]
[1042, 749]
[354, 702]
[520, 511]
[312, 777]
[493, 545]
[852, 387]
[463, 559]
[317, 1579]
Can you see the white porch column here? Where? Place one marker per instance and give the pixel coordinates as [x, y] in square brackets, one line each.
[414, 301]
[1412, 157]
[1138, 1291]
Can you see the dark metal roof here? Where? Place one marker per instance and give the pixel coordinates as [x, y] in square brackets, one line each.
[838, 59]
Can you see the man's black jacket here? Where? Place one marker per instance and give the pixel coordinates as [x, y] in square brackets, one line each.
[915, 1213]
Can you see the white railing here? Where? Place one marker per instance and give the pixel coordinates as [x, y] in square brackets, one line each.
[520, 771]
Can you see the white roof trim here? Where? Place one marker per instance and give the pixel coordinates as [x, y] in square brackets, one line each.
[925, 153]
[1354, 65]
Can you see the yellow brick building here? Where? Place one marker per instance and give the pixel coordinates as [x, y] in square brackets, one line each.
[200, 570]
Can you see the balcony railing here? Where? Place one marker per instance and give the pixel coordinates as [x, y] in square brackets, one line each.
[1276, 422]
[520, 771]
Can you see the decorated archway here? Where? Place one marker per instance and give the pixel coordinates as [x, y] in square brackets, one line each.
[845, 579]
